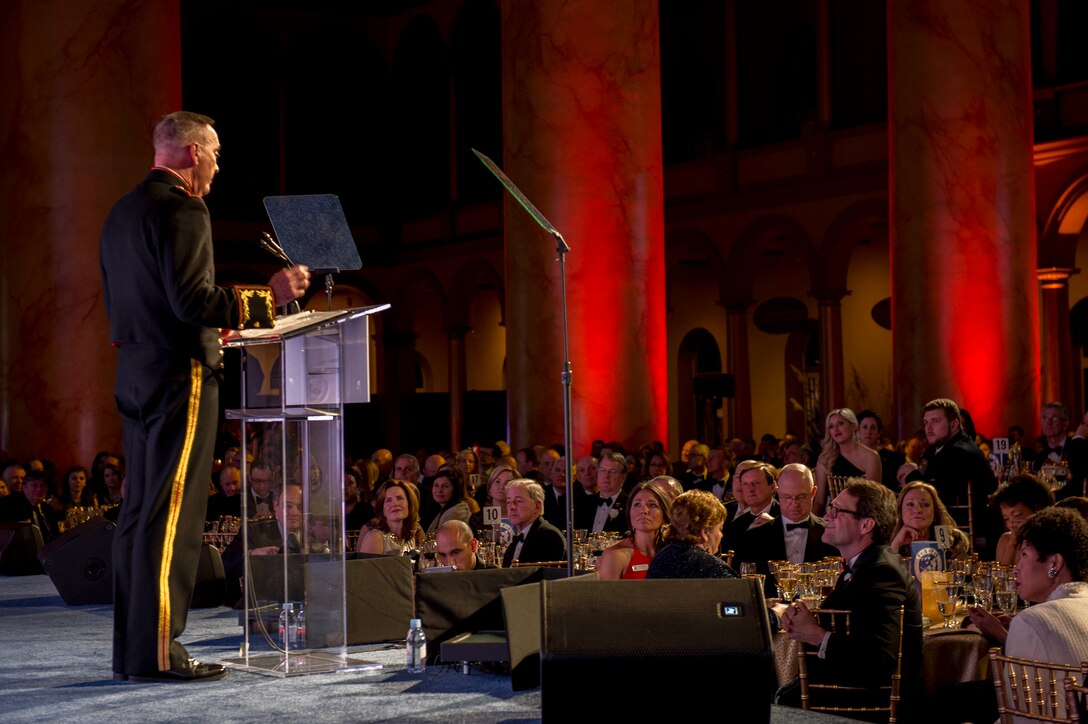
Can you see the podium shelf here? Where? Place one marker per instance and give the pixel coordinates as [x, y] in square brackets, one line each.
[279, 414]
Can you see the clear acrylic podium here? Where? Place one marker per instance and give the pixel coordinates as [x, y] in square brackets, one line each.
[296, 379]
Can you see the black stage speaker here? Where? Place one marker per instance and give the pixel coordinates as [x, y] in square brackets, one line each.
[211, 583]
[636, 649]
[19, 546]
[80, 562]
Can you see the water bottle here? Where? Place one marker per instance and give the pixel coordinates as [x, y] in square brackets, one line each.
[300, 628]
[288, 627]
[416, 646]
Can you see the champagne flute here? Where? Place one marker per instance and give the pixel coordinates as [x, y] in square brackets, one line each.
[1006, 601]
[787, 583]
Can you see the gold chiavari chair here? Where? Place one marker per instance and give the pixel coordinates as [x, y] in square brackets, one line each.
[829, 698]
[835, 485]
[1028, 689]
[1076, 695]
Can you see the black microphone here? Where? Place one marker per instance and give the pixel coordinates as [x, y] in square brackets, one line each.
[266, 242]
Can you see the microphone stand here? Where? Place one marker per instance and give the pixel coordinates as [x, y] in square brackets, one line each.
[567, 374]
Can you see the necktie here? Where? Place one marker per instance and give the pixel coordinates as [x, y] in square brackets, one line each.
[791, 526]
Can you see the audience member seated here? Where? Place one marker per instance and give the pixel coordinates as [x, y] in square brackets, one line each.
[319, 538]
[842, 454]
[605, 511]
[796, 535]
[870, 428]
[357, 508]
[1078, 503]
[497, 479]
[555, 493]
[75, 492]
[669, 486]
[26, 505]
[456, 547]
[697, 474]
[1017, 500]
[537, 540]
[754, 485]
[647, 519]
[874, 585]
[282, 533]
[112, 477]
[920, 508]
[14, 474]
[261, 476]
[691, 544]
[450, 497]
[1051, 572]
[3, 489]
[659, 464]
[396, 532]
[227, 500]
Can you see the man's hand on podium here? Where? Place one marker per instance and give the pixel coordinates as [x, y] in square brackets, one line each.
[289, 284]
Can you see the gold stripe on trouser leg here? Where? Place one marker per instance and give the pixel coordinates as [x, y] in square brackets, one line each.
[177, 489]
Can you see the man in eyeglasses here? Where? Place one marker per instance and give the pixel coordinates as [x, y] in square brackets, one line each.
[872, 587]
[796, 535]
[610, 501]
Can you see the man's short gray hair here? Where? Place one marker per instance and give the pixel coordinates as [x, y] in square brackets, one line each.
[529, 486]
[181, 128]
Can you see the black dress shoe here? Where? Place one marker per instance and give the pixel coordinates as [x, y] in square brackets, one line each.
[191, 670]
[118, 676]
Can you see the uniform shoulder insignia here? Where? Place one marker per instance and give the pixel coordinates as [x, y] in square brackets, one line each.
[256, 307]
[181, 191]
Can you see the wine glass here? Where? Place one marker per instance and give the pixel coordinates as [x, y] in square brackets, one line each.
[747, 568]
[787, 582]
[1006, 601]
[948, 595]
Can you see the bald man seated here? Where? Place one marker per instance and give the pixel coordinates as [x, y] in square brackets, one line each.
[457, 548]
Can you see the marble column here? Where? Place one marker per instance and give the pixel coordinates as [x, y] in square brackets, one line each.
[832, 387]
[739, 413]
[963, 254]
[83, 85]
[1058, 358]
[582, 138]
[458, 380]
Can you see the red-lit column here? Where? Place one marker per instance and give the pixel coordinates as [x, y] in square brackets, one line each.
[832, 388]
[739, 415]
[582, 138]
[1054, 339]
[83, 84]
[964, 296]
[457, 383]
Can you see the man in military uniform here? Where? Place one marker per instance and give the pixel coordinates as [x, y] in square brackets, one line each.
[164, 310]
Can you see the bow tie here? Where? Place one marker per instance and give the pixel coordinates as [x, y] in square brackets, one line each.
[1056, 450]
[519, 538]
[605, 501]
[803, 524]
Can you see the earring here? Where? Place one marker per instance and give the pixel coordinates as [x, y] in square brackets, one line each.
[1053, 572]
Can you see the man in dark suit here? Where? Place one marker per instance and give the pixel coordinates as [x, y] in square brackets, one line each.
[555, 494]
[608, 511]
[270, 535]
[953, 464]
[796, 535]
[164, 313]
[697, 476]
[537, 540]
[1059, 447]
[754, 485]
[872, 587]
[26, 505]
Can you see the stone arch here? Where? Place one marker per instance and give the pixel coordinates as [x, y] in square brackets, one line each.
[866, 219]
[1065, 226]
[768, 237]
[477, 309]
[691, 247]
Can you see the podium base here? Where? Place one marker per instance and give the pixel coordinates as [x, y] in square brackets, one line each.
[301, 664]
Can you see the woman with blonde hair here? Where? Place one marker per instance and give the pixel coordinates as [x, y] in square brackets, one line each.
[842, 454]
